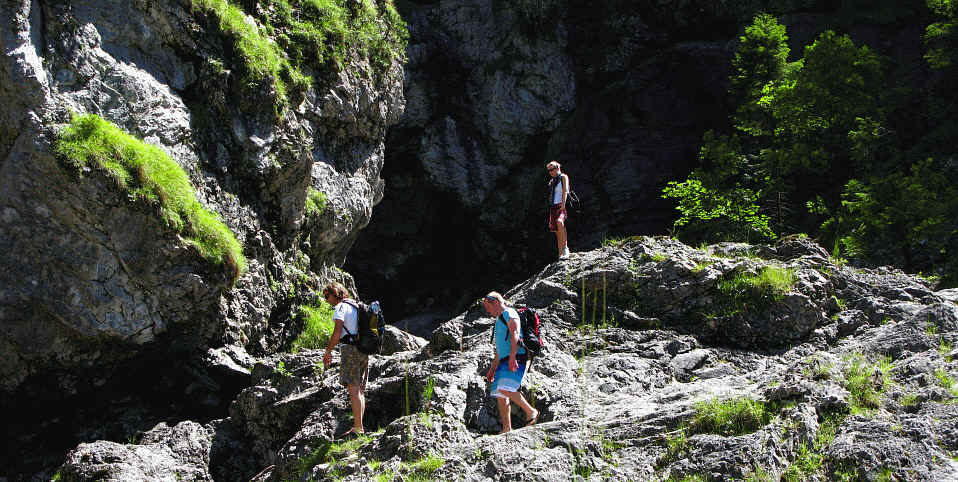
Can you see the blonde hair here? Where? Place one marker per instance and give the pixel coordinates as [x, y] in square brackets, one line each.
[553, 163]
[495, 296]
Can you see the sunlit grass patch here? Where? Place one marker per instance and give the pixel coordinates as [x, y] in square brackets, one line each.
[730, 417]
[866, 382]
[317, 327]
[148, 174]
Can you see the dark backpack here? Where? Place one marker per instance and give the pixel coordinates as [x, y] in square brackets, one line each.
[372, 325]
[531, 338]
[572, 202]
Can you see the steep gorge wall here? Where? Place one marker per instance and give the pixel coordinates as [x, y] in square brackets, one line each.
[620, 92]
[97, 293]
[494, 90]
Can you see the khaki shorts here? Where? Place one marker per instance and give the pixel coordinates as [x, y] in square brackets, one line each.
[354, 369]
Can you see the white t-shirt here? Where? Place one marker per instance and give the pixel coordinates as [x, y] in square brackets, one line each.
[347, 313]
[557, 191]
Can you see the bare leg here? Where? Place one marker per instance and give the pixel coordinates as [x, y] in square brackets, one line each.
[504, 414]
[358, 402]
[520, 401]
[561, 235]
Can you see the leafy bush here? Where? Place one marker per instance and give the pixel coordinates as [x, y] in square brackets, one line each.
[151, 176]
[318, 327]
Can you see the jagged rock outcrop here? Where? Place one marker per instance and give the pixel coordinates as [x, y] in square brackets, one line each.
[853, 370]
[94, 283]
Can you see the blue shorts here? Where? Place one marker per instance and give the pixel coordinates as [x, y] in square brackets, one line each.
[506, 379]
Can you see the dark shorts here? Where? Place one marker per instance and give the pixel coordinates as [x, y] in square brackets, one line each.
[354, 366]
[555, 215]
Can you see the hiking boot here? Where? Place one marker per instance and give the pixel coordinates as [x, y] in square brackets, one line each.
[565, 252]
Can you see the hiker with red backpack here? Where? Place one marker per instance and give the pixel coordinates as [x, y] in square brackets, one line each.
[354, 369]
[509, 367]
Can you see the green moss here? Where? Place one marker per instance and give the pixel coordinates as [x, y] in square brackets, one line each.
[317, 327]
[149, 175]
[281, 38]
[262, 58]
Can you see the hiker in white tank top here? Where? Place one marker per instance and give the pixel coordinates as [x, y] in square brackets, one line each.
[557, 213]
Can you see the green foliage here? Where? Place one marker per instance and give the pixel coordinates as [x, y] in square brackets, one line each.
[323, 33]
[288, 36]
[315, 201]
[427, 393]
[810, 460]
[905, 219]
[262, 59]
[820, 145]
[759, 59]
[942, 36]
[318, 327]
[717, 214]
[149, 175]
[866, 382]
[729, 417]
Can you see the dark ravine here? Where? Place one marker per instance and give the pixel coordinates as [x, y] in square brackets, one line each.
[620, 93]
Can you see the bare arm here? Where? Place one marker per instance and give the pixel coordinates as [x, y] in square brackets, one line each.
[333, 340]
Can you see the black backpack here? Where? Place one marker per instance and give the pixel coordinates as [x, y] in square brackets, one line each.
[531, 338]
[572, 202]
[372, 325]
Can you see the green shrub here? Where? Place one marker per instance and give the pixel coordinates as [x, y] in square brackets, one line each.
[729, 417]
[318, 327]
[149, 175]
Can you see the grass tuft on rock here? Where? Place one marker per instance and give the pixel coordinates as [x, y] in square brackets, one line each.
[736, 416]
[866, 382]
[148, 174]
[317, 327]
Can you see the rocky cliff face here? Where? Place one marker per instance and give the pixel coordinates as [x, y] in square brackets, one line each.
[97, 291]
[662, 362]
[620, 92]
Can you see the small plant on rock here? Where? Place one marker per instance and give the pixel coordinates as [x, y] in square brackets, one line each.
[317, 327]
[729, 417]
[315, 202]
[866, 382]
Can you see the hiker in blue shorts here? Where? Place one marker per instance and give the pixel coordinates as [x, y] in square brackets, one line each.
[507, 370]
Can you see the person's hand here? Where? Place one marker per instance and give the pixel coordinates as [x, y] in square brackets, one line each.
[513, 364]
[491, 372]
[327, 359]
